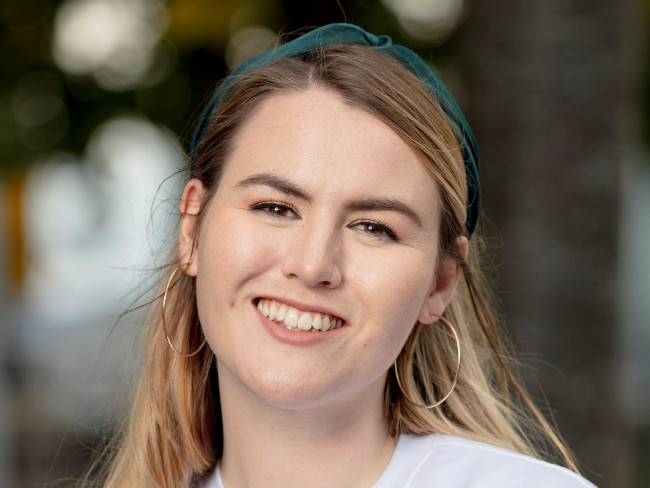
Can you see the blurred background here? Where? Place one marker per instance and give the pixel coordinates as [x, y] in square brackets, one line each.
[98, 99]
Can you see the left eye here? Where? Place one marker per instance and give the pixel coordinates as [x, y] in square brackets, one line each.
[275, 209]
[375, 229]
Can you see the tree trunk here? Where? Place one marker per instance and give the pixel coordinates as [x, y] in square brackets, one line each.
[547, 98]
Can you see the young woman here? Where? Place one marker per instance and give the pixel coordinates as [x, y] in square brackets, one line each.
[324, 322]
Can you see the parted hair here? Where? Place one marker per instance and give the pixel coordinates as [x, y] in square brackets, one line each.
[173, 436]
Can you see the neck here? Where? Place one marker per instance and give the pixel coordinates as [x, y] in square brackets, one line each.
[343, 443]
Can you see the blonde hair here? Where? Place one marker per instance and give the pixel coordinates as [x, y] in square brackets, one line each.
[174, 435]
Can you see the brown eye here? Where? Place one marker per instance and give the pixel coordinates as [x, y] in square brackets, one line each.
[275, 209]
[375, 229]
[279, 210]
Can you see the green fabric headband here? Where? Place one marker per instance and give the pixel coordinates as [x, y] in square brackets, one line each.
[351, 34]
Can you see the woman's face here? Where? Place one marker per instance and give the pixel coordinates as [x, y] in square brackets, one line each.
[317, 253]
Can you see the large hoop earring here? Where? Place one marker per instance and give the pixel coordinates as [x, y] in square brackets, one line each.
[164, 325]
[439, 402]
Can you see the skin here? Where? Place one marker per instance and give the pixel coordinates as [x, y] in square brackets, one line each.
[318, 243]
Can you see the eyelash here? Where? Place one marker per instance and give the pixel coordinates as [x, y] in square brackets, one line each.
[377, 225]
[269, 207]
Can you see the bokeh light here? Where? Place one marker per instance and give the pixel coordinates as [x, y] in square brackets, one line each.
[428, 21]
[247, 42]
[114, 41]
[80, 214]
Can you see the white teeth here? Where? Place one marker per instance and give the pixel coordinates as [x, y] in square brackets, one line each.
[279, 316]
[294, 319]
[305, 321]
[326, 323]
[291, 318]
[273, 309]
[317, 323]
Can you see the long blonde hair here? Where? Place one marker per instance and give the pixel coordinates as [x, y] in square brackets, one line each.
[173, 436]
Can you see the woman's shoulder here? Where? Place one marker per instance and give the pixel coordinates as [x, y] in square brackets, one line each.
[454, 462]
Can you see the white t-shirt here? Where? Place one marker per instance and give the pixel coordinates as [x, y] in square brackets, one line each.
[441, 461]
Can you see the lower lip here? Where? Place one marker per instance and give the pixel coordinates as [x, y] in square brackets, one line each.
[295, 338]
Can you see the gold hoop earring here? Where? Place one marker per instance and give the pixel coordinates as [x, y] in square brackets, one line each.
[439, 402]
[164, 303]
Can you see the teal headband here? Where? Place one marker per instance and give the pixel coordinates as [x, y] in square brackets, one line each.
[351, 34]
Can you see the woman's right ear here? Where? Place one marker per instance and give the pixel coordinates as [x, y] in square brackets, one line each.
[193, 197]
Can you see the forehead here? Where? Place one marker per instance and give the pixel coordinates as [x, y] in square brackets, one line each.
[330, 147]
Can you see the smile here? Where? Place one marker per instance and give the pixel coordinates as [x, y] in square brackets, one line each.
[297, 320]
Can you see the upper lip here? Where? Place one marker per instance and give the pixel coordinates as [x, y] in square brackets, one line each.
[300, 305]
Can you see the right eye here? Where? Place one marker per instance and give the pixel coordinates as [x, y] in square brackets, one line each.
[276, 209]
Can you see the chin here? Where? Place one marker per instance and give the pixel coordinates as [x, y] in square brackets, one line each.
[289, 391]
[302, 393]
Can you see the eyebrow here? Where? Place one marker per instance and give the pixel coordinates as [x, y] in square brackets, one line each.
[276, 182]
[385, 204]
[365, 204]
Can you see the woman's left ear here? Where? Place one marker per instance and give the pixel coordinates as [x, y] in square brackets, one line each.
[191, 202]
[443, 286]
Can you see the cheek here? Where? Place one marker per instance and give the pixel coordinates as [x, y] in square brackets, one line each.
[399, 280]
[231, 252]
[231, 255]
[396, 288]
[230, 248]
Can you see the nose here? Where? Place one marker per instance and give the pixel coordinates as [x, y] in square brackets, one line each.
[314, 256]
